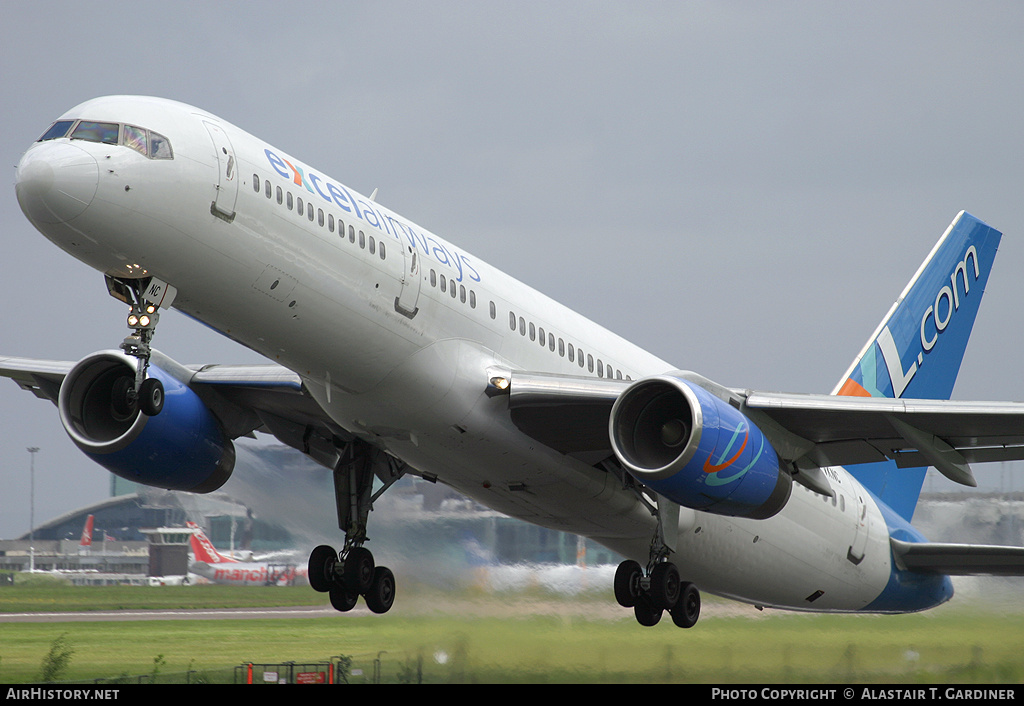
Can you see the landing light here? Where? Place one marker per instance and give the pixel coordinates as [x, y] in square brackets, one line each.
[137, 321]
[498, 385]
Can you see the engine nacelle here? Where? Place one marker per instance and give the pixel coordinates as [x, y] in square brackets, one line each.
[181, 448]
[697, 450]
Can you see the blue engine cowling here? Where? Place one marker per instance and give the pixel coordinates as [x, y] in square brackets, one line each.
[697, 450]
[181, 448]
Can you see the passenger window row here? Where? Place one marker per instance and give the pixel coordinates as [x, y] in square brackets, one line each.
[327, 220]
[827, 499]
[574, 354]
[456, 291]
[318, 216]
[446, 285]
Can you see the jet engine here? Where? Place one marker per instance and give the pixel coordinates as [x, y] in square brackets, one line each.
[181, 448]
[697, 450]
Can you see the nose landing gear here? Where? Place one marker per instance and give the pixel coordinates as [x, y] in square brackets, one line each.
[145, 297]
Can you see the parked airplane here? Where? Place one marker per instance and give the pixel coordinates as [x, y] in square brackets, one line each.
[396, 352]
[210, 564]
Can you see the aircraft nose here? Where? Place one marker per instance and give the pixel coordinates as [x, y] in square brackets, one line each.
[55, 182]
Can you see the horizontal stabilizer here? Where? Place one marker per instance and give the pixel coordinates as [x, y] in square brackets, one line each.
[959, 559]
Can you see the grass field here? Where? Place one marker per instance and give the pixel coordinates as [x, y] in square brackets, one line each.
[435, 637]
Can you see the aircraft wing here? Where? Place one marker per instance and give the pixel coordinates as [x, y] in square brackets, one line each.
[246, 398]
[40, 377]
[568, 414]
[571, 415]
[948, 435]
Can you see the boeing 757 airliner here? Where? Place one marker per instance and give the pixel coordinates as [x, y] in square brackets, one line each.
[394, 352]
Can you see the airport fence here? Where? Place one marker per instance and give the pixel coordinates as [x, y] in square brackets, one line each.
[462, 662]
[290, 673]
[192, 676]
[341, 669]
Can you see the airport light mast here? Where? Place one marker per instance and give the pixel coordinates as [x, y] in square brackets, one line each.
[32, 450]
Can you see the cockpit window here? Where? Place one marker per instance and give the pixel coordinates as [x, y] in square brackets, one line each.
[58, 129]
[159, 146]
[145, 142]
[107, 133]
[135, 137]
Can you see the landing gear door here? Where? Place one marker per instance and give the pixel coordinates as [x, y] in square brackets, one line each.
[405, 302]
[227, 174]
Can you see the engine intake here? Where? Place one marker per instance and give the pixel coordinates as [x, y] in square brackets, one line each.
[182, 448]
[697, 450]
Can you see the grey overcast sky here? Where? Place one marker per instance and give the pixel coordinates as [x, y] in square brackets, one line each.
[741, 187]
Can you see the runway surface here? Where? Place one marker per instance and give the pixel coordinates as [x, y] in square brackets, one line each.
[93, 616]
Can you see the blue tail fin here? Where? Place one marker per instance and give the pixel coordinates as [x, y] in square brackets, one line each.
[917, 349]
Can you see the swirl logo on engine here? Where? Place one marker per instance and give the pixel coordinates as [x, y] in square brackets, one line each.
[715, 468]
[713, 477]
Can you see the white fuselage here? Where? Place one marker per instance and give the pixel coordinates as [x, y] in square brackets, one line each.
[247, 573]
[393, 330]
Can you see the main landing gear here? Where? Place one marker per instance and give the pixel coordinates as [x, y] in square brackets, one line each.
[660, 590]
[352, 573]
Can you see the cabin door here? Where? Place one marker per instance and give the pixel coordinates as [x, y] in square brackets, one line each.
[409, 296]
[227, 174]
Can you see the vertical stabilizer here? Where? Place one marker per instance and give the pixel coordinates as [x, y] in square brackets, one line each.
[203, 549]
[85, 543]
[917, 349]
